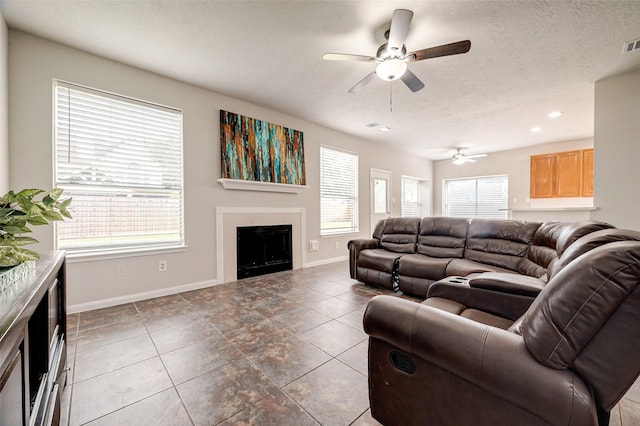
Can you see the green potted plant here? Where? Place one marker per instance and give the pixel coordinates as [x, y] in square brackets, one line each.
[17, 212]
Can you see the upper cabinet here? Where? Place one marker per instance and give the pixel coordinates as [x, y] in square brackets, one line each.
[542, 176]
[562, 174]
[587, 173]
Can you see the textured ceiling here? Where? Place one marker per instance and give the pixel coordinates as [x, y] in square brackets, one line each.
[527, 58]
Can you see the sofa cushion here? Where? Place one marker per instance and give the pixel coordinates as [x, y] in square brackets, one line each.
[501, 243]
[464, 267]
[476, 315]
[418, 265]
[400, 234]
[442, 236]
[378, 259]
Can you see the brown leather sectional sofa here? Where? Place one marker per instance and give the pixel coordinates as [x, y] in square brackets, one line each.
[507, 261]
[464, 356]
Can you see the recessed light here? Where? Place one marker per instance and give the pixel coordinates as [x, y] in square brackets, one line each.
[535, 129]
[554, 114]
[384, 129]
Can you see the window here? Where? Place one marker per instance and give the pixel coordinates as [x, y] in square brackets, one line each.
[338, 191]
[410, 198]
[484, 197]
[121, 161]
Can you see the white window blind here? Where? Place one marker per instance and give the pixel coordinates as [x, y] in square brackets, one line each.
[410, 198]
[338, 191]
[482, 197]
[121, 161]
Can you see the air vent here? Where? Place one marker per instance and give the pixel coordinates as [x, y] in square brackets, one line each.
[631, 46]
[372, 125]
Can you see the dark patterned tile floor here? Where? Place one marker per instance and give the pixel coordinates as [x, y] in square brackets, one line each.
[282, 349]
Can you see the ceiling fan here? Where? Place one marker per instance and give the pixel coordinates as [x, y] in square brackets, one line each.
[459, 158]
[392, 56]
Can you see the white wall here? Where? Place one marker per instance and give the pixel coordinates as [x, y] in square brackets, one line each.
[514, 163]
[4, 99]
[34, 62]
[617, 148]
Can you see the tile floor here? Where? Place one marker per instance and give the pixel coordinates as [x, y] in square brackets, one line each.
[282, 349]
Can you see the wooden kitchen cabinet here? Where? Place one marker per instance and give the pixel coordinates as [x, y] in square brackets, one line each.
[587, 173]
[562, 174]
[542, 176]
[568, 174]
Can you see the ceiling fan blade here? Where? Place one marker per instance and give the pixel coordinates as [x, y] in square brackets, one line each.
[346, 57]
[469, 160]
[444, 50]
[412, 81]
[399, 29]
[476, 156]
[360, 85]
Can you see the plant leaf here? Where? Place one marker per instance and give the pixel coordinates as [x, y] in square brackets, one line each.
[21, 241]
[55, 193]
[12, 230]
[29, 193]
[64, 212]
[37, 220]
[52, 215]
[65, 203]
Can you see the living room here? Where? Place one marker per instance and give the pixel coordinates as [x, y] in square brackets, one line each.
[32, 62]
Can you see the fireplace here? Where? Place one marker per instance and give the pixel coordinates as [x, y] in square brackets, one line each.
[263, 250]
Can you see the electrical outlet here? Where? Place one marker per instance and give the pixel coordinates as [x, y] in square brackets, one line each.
[337, 244]
[119, 271]
[313, 245]
[162, 266]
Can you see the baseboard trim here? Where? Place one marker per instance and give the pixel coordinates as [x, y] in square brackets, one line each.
[136, 297]
[326, 261]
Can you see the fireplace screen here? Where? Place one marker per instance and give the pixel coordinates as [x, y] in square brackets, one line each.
[263, 250]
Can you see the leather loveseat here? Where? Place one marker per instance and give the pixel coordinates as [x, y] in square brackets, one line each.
[511, 260]
[566, 361]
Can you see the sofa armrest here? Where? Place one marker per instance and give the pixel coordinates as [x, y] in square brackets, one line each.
[508, 283]
[355, 246]
[503, 304]
[495, 361]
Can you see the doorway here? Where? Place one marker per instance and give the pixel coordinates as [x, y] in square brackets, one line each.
[380, 195]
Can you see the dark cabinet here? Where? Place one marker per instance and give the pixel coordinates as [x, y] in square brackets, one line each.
[32, 344]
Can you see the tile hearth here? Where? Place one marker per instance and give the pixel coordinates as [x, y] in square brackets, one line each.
[281, 349]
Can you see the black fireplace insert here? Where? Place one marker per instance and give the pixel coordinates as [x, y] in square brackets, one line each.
[263, 250]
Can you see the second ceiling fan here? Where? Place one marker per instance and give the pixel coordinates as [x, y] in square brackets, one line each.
[392, 56]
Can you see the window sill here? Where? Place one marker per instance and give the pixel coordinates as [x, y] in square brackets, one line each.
[93, 255]
[339, 234]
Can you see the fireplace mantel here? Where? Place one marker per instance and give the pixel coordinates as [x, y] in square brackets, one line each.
[250, 185]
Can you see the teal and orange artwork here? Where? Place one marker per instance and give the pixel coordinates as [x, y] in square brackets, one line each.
[260, 151]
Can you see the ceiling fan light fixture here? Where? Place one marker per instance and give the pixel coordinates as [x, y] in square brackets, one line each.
[391, 69]
[458, 161]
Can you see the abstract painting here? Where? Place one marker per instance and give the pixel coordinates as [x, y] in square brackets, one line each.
[256, 150]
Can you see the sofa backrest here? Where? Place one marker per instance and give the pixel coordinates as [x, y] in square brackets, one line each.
[442, 236]
[573, 233]
[377, 231]
[586, 319]
[400, 234]
[589, 242]
[501, 243]
[549, 243]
